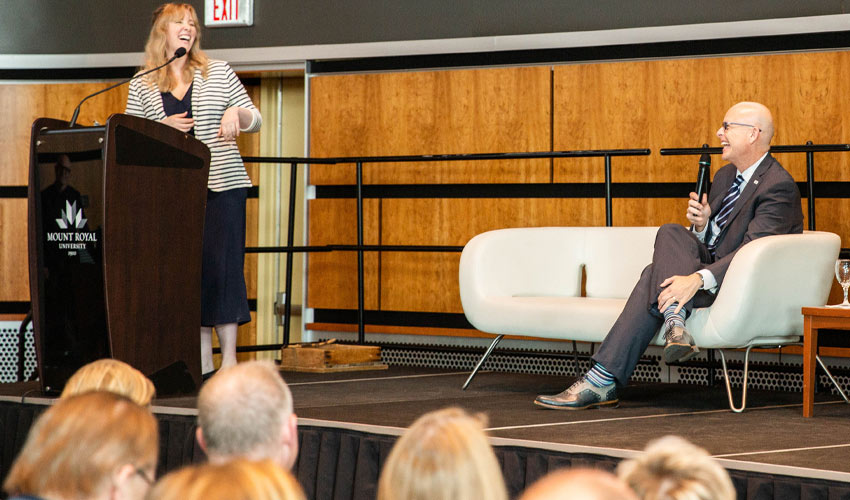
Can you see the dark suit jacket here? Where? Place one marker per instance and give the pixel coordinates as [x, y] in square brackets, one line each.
[769, 204]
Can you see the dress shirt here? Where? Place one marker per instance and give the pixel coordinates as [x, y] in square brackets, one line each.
[708, 281]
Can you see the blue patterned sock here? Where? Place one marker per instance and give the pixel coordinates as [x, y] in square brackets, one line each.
[599, 376]
[672, 319]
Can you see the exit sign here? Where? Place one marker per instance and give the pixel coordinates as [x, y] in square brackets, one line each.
[222, 13]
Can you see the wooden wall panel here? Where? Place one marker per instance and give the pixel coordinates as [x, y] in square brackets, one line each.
[427, 281]
[681, 102]
[333, 276]
[647, 211]
[14, 285]
[831, 215]
[432, 112]
[61, 99]
[654, 104]
[21, 105]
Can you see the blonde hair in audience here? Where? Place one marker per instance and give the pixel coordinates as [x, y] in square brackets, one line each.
[674, 469]
[444, 455]
[111, 375]
[579, 484]
[155, 47]
[239, 479]
[75, 447]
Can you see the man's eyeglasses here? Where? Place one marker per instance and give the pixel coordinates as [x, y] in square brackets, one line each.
[727, 124]
[144, 475]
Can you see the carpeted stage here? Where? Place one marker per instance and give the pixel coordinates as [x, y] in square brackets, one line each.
[348, 423]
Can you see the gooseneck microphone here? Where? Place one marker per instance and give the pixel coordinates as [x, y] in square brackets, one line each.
[703, 175]
[180, 52]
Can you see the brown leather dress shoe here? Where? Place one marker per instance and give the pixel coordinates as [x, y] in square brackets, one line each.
[680, 346]
[581, 395]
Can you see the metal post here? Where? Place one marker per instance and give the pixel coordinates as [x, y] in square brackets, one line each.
[290, 236]
[608, 209]
[361, 327]
[810, 184]
[22, 345]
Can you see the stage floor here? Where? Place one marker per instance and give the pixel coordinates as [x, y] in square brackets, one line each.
[771, 436]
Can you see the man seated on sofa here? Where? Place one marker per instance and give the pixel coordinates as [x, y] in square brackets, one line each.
[751, 197]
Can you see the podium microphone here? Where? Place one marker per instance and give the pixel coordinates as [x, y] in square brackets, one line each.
[702, 176]
[177, 54]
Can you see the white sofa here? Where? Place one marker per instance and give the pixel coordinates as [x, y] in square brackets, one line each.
[527, 282]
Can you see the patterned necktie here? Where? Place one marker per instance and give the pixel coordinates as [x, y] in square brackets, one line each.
[726, 207]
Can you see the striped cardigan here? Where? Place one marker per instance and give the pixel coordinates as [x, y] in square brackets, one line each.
[210, 98]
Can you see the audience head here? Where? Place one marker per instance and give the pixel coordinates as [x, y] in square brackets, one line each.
[238, 479]
[444, 455]
[579, 484]
[746, 133]
[674, 469]
[97, 445]
[111, 375]
[246, 411]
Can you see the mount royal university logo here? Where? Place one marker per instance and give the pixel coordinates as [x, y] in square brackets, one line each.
[72, 218]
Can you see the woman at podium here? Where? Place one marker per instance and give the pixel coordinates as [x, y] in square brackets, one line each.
[204, 97]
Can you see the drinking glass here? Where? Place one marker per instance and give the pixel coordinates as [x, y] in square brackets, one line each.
[842, 274]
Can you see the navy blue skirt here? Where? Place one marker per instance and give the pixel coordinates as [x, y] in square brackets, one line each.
[224, 297]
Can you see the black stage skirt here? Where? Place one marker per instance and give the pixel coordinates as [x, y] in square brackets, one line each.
[224, 297]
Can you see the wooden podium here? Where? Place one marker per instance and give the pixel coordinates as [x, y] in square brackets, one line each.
[116, 219]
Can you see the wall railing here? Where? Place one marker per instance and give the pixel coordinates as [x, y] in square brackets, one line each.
[807, 188]
[808, 148]
[359, 162]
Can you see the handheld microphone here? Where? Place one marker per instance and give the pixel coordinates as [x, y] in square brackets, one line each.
[702, 176]
[180, 52]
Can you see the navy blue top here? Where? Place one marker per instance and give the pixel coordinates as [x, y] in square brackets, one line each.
[174, 106]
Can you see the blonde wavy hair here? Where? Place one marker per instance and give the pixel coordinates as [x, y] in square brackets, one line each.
[155, 47]
[239, 479]
[444, 455]
[113, 376]
[75, 447]
[674, 469]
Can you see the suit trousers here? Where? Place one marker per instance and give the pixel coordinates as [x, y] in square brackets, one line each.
[677, 252]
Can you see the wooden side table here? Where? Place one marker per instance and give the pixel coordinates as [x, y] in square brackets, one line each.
[815, 318]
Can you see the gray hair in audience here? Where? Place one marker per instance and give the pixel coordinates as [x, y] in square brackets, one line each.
[673, 468]
[242, 409]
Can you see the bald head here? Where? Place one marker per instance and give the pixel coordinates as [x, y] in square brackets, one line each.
[758, 115]
[579, 484]
[246, 411]
[746, 134]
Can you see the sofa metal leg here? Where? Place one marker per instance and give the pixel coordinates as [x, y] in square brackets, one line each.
[831, 379]
[482, 360]
[744, 382]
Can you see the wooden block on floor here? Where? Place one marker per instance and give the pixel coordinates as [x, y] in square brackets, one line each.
[326, 357]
